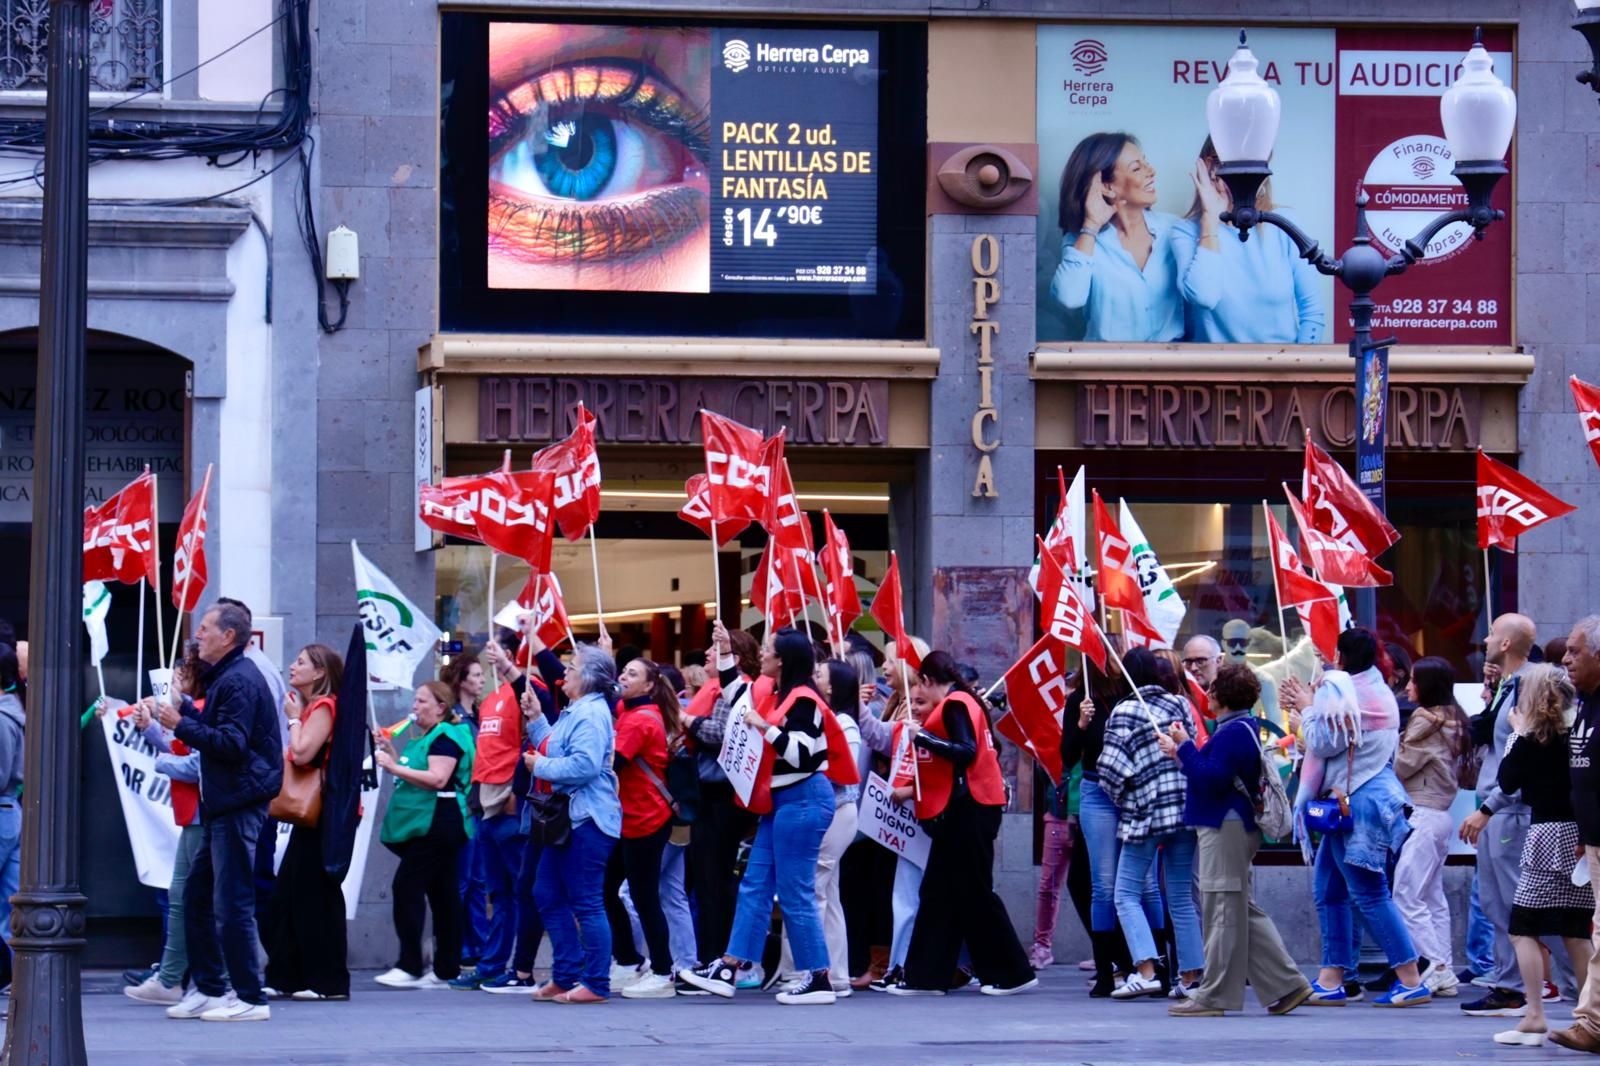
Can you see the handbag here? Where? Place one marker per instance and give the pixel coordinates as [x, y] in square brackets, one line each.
[550, 818]
[1331, 814]
[299, 799]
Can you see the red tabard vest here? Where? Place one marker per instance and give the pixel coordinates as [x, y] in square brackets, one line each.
[499, 737]
[938, 775]
[841, 764]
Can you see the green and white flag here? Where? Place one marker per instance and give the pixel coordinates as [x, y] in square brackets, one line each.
[399, 636]
[1161, 601]
[96, 605]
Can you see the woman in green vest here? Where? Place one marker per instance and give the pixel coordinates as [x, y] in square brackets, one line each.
[426, 825]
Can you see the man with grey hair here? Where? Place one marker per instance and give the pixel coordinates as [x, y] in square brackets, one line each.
[1582, 661]
[1201, 657]
[241, 770]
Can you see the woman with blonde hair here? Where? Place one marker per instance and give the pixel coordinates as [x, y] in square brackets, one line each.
[1547, 903]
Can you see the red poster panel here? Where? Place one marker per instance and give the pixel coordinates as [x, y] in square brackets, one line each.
[1388, 139]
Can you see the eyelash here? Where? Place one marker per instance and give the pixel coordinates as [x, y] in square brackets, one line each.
[628, 90]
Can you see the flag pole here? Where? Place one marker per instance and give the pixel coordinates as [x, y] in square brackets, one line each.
[716, 575]
[1277, 593]
[1111, 653]
[138, 655]
[594, 560]
[556, 581]
[188, 574]
[1488, 600]
[155, 542]
[494, 559]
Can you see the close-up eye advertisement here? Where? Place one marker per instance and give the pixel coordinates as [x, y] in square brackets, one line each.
[695, 160]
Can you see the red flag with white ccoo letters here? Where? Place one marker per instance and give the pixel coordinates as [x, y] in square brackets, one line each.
[1587, 397]
[1510, 504]
[119, 535]
[189, 560]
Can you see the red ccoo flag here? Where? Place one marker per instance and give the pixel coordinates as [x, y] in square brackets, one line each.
[1115, 575]
[1337, 506]
[547, 609]
[1336, 561]
[189, 560]
[738, 468]
[1295, 588]
[888, 611]
[1064, 616]
[1588, 400]
[697, 512]
[1510, 504]
[119, 541]
[510, 512]
[772, 592]
[784, 521]
[1036, 695]
[841, 599]
[575, 465]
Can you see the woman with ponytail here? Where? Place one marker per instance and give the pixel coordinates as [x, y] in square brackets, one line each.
[962, 798]
[646, 716]
[803, 744]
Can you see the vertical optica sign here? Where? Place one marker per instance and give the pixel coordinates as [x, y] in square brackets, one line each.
[794, 147]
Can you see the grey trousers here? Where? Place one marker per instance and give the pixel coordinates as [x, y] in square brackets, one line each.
[1241, 941]
[1499, 867]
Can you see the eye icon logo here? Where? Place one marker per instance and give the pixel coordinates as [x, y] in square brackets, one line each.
[1089, 57]
[1422, 166]
[736, 55]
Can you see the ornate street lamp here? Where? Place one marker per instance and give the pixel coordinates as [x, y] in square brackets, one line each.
[47, 919]
[1478, 113]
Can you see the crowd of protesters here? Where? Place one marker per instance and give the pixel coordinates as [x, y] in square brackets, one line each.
[583, 799]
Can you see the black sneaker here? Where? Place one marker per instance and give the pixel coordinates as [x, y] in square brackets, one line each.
[138, 977]
[1499, 1003]
[717, 978]
[889, 980]
[814, 988]
[1353, 991]
[1381, 983]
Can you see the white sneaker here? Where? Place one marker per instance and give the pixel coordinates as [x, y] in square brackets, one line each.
[398, 978]
[651, 986]
[1442, 980]
[1138, 985]
[238, 1011]
[151, 990]
[197, 1003]
[623, 976]
[430, 982]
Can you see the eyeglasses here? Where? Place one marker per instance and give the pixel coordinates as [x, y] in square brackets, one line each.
[1195, 664]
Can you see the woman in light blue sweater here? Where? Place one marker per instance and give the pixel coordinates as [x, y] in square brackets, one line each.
[1258, 291]
[1117, 266]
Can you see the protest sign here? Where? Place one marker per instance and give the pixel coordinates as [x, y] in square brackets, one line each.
[741, 752]
[893, 825]
[146, 798]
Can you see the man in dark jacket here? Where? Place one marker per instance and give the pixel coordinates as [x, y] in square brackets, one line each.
[241, 770]
[1583, 666]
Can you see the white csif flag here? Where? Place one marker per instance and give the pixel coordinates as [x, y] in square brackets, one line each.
[399, 635]
[96, 605]
[1068, 538]
[1161, 601]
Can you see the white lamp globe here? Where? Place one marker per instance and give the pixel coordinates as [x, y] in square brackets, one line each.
[1479, 111]
[1242, 113]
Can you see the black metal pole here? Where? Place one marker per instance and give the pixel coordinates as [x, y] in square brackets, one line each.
[47, 919]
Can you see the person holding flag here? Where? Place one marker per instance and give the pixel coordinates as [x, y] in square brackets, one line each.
[1148, 791]
[961, 798]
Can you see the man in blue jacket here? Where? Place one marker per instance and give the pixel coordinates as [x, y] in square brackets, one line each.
[241, 770]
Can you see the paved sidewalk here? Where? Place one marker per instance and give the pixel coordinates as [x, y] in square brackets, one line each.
[1057, 1024]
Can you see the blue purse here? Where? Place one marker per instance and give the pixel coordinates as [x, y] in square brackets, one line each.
[1331, 814]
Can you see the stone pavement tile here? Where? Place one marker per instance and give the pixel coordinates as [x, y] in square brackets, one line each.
[1059, 1023]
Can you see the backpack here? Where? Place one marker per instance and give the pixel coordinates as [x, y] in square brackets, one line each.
[1273, 812]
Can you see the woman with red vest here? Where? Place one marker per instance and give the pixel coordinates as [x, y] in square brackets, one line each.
[646, 715]
[962, 798]
[803, 744]
[306, 940]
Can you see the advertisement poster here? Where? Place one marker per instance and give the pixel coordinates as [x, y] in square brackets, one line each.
[1121, 117]
[682, 159]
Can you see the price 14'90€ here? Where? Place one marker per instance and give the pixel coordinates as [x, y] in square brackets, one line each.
[746, 227]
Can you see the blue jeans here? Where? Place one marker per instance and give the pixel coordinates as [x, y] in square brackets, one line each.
[219, 906]
[1133, 897]
[1097, 818]
[474, 902]
[499, 849]
[784, 859]
[1480, 936]
[570, 891]
[530, 928]
[675, 905]
[1335, 885]
[175, 953]
[10, 860]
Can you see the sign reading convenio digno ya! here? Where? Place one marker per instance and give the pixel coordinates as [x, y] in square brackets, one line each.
[642, 410]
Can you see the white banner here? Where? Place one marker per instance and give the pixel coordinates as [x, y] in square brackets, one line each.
[894, 825]
[741, 752]
[146, 799]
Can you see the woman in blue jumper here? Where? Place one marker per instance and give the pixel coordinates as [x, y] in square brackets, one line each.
[1258, 291]
[1241, 941]
[1117, 267]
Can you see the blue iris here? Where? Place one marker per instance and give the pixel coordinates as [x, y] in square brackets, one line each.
[579, 157]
